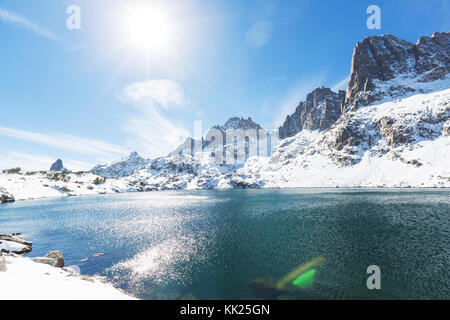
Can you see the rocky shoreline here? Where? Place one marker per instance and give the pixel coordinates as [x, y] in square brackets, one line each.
[19, 275]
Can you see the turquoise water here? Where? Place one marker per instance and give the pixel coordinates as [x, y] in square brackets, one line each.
[237, 244]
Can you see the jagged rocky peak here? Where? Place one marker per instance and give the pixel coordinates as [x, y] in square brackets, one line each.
[121, 168]
[319, 112]
[238, 123]
[388, 67]
[234, 123]
[58, 166]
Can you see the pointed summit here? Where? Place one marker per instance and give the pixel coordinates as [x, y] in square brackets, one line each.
[121, 168]
[58, 166]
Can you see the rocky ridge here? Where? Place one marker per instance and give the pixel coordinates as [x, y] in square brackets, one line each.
[319, 111]
[121, 168]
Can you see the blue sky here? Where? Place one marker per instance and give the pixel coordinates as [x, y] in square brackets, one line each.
[92, 95]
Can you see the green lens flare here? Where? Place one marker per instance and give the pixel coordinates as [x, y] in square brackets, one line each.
[306, 280]
[297, 274]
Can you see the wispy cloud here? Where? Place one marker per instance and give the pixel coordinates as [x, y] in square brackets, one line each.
[259, 34]
[34, 162]
[164, 92]
[67, 142]
[19, 20]
[278, 79]
[76, 47]
[154, 134]
[341, 85]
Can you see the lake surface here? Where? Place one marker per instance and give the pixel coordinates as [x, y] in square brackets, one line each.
[239, 244]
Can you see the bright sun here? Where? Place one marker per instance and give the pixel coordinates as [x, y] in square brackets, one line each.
[150, 29]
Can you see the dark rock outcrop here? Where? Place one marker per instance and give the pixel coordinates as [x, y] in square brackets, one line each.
[378, 60]
[5, 196]
[58, 166]
[319, 112]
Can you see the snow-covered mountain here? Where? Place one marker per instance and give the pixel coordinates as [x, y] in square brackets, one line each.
[386, 68]
[390, 129]
[320, 110]
[121, 168]
[402, 143]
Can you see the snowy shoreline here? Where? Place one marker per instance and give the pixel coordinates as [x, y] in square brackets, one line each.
[46, 278]
[380, 188]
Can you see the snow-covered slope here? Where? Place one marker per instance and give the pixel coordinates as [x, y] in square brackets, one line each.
[25, 279]
[403, 143]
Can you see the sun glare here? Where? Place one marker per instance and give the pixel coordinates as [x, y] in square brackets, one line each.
[149, 29]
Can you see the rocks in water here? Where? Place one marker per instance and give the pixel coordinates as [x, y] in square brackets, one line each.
[387, 66]
[58, 166]
[319, 112]
[14, 244]
[5, 196]
[58, 256]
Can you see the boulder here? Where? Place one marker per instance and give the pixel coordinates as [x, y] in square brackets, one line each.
[16, 238]
[5, 196]
[2, 264]
[44, 260]
[57, 256]
[14, 247]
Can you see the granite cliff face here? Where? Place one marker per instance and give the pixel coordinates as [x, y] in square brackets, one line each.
[319, 112]
[387, 67]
